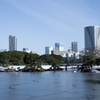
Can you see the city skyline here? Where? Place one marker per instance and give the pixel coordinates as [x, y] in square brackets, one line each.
[38, 23]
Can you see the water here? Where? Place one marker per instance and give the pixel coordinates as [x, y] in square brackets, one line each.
[58, 85]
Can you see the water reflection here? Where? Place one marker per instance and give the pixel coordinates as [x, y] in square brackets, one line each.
[58, 85]
[93, 81]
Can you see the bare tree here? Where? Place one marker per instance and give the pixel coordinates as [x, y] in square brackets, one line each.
[96, 53]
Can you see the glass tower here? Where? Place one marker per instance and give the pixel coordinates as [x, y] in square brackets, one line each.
[75, 46]
[59, 47]
[12, 43]
[48, 50]
[92, 38]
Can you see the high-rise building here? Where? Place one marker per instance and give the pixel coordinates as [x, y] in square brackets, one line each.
[92, 39]
[48, 50]
[74, 46]
[12, 43]
[59, 47]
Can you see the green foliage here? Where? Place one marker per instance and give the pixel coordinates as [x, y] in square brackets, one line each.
[73, 61]
[34, 60]
[29, 59]
[38, 63]
[66, 61]
[51, 59]
[12, 58]
[89, 60]
[97, 61]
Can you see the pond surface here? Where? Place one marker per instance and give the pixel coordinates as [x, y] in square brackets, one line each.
[50, 85]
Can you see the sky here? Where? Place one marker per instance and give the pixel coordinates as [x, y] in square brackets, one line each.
[41, 23]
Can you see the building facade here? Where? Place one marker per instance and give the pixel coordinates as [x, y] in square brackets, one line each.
[69, 55]
[92, 39]
[26, 50]
[74, 46]
[48, 50]
[29, 51]
[12, 43]
[59, 47]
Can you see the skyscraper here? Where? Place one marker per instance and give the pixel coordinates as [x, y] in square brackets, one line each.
[74, 46]
[59, 47]
[92, 38]
[12, 43]
[48, 50]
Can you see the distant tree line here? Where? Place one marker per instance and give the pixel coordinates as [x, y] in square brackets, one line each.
[29, 59]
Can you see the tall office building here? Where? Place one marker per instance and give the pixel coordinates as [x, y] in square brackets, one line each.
[12, 43]
[92, 39]
[48, 50]
[74, 46]
[59, 47]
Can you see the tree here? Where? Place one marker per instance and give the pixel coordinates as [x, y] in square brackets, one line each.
[12, 58]
[73, 61]
[88, 60]
[52, 59]
[96, 53]
[97, 61]
[31, 59]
